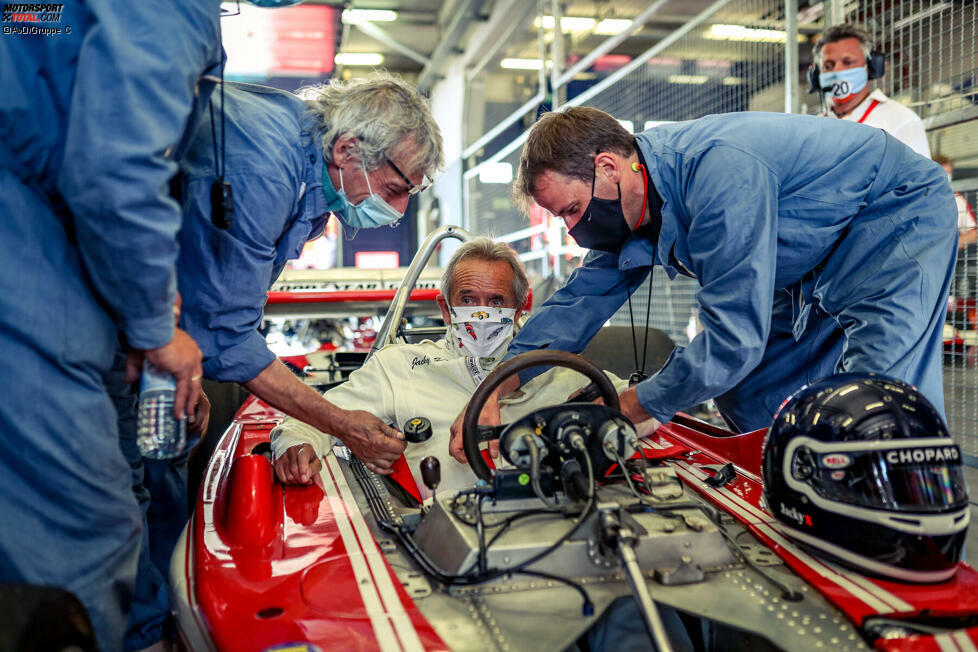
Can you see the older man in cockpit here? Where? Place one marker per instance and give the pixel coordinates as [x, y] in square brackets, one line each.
[484, 290]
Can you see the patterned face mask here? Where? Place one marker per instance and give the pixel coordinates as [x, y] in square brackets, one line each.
[484, 331]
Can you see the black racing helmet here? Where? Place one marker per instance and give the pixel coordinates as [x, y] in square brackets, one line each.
[862, 468]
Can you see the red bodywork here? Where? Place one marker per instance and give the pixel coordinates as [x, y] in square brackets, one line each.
[855, 595]
[268, 565]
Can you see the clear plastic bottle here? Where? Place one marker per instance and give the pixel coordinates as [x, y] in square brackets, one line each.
[159, 434]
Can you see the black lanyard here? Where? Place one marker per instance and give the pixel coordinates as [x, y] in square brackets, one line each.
[639, 374]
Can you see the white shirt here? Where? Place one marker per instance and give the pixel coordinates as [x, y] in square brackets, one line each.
[893, 118]
[427, 379]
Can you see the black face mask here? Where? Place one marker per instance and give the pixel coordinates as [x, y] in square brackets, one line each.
[603, 226]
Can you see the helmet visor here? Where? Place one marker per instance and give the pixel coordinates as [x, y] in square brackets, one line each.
[925, 478]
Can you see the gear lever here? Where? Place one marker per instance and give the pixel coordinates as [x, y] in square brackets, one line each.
[431, 472]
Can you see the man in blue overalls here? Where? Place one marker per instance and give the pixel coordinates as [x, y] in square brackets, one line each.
[356, 149]
[93, 113]
[819, 247]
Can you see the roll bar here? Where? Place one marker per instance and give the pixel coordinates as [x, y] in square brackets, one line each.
[388, 330]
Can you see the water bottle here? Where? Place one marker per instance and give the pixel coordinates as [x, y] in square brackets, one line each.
[159, 434]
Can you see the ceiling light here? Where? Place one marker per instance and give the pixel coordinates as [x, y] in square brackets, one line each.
[612, 26]
[687, 79]
[359, 59]
[371, 15]
[521, 64]
[576, 24]
[741, 33]
[733, 81]
[567, 23]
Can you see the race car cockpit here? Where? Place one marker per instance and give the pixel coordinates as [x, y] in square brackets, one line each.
[538, 552]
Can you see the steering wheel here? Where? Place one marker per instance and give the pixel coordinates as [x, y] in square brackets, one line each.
[542, 357]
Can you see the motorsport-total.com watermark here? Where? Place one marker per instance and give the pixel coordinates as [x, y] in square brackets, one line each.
[33, 18]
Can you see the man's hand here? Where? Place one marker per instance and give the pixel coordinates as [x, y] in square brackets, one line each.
[376, 444]
[199, 419]
[645, 428]
[489, 417]
[645, 423]
[180, 357]
[298, 465]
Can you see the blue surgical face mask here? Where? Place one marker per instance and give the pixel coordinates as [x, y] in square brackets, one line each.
[334, 202]
[371, 212]
[844, 83]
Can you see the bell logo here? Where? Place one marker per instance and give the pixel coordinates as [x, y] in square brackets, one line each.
[836, 461]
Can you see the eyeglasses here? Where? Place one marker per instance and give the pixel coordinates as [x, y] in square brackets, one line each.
[412, 188]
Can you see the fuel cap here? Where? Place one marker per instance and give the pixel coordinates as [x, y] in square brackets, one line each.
[417, 430]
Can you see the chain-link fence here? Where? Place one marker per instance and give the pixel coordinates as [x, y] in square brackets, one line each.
[696, 57]
[961, 330]
[931, 53]
[931, 49]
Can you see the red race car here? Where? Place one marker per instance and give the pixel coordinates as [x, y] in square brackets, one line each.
[533, 557]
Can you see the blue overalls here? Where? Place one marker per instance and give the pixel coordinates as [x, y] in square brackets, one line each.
[275, 166]
[820, 246]
[88, 247]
